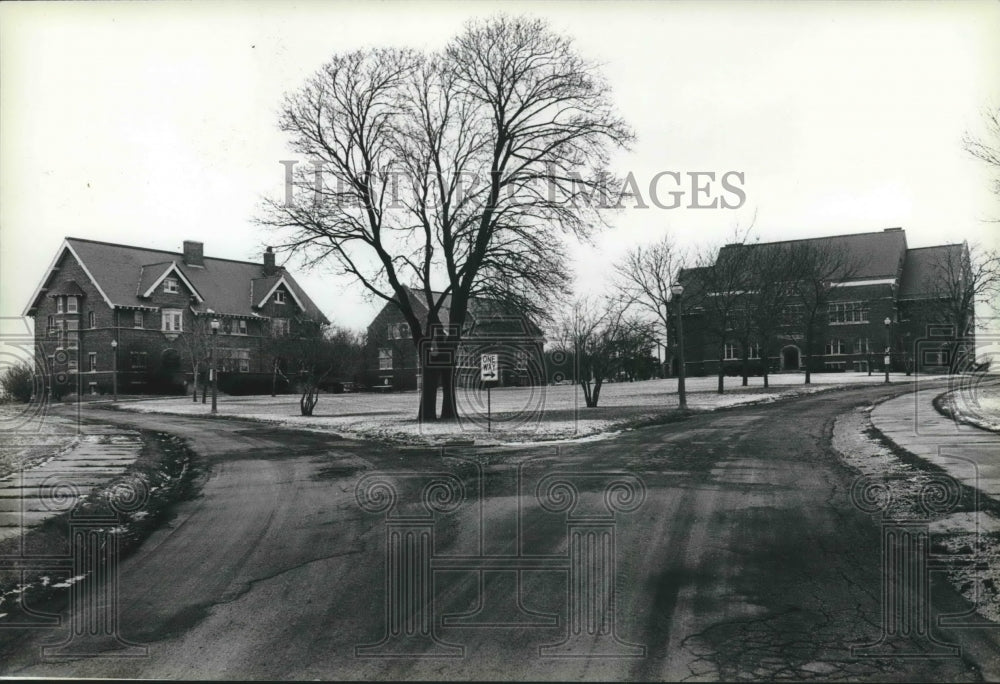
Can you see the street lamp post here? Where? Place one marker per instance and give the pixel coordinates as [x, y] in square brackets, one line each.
[114, 369]
[888, 346]
[211, 362]
[677, 290]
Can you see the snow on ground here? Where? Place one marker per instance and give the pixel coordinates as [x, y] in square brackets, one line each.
[28, 434]
[977, 404]
[518, 414]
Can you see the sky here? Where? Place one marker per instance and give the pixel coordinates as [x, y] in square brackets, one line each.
[152, 123]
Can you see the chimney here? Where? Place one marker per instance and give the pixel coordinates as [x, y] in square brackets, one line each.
[892, 230]
[194, 253]
[269, 267]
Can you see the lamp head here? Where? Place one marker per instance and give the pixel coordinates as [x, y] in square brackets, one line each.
[114, 343]
[215, 325]
[887, 321]
[677, 289]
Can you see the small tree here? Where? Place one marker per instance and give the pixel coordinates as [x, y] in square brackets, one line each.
[603, 339]
[319, 355]
[17, 382]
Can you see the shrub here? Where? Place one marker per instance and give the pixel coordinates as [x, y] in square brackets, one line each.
[17, 382]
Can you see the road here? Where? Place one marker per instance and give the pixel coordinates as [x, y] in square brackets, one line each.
[746, 559]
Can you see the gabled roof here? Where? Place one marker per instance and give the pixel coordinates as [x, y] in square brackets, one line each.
[487, 316]
[123, 273]
[920, 269]
[171, 268]
[878, 255]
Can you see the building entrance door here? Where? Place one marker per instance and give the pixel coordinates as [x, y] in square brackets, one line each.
[790, 358]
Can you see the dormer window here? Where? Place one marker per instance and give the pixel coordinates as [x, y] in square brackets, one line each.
[71, 305]
[171, 286]
[279, 296]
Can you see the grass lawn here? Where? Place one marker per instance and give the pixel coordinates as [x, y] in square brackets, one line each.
[517, 414]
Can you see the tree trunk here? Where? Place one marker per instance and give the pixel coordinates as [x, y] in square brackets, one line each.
[449, 405]
[585, 384]
[310, 397]
[722, 373]
[597, 392]
[744, 363]
[194, 383]
[427, 411]
[274, 378]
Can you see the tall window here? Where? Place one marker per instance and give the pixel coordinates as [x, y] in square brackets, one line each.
[731, 351]
[173, 320]
[91, 320]
[848, 312]
[242, 358]
[754, 351]
[170, 285]
[59, 304]
[92, 361]
[279, 327]
[835, 347]
[72, 334]
[136, 319]
[50, 328]
[385, 358]
[241, 327]
[862, 346]
[138, 360]
[71, 305]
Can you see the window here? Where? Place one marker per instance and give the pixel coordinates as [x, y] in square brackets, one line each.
[279, 327]
[279, 296]
[170, 285]
[835, 347]
[862, 346]
[59, 304]
[848, 312]
[52, 362]
[72, 366]
[173, 320]
[71, 305]
[754, 351]
[242, 357]
[791, 314]
[240, 327]
[138, 360]
[861, 366]
[91, 320]
[730, 351]
[385, 359]
[137, 319]
[50, 327]
[92, 361]
[835, 365]
[72, 336]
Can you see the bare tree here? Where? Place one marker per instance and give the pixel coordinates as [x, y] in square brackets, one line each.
[644, 277]
[770, 292]
[959, 278]
[814, 267]
[987, 148]
[718, 286]
[603, 338]
[454, 173]
[197, 342]
[316, 358]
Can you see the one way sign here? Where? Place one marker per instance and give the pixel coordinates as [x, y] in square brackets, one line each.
[489, 367]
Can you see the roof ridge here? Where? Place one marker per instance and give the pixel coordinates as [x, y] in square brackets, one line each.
[162, 251]
[822, 237]
[947, 244]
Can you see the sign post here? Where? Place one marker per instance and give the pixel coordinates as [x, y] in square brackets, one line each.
[489, 367]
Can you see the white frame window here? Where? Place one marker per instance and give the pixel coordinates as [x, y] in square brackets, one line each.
[842, 313]
[91, 320]
[862, 345]
[279, 297]
[92, 362]
[385, 359]
[835, 347]
[72, 305]
[60, 305]
[172, 320]
[280, 327]
[137, 320]
[171, 285]
[754, 351]
[730, 351]
[240, 327]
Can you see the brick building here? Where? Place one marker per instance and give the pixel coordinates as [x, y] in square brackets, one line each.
[888, 281]
[157, 307]
[392, 362]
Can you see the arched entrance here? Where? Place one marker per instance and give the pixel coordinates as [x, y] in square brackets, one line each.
[790, 358]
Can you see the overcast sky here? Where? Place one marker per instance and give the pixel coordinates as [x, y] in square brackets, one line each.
[151, 123]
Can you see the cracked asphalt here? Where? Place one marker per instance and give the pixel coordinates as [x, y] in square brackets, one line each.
[746, 560]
